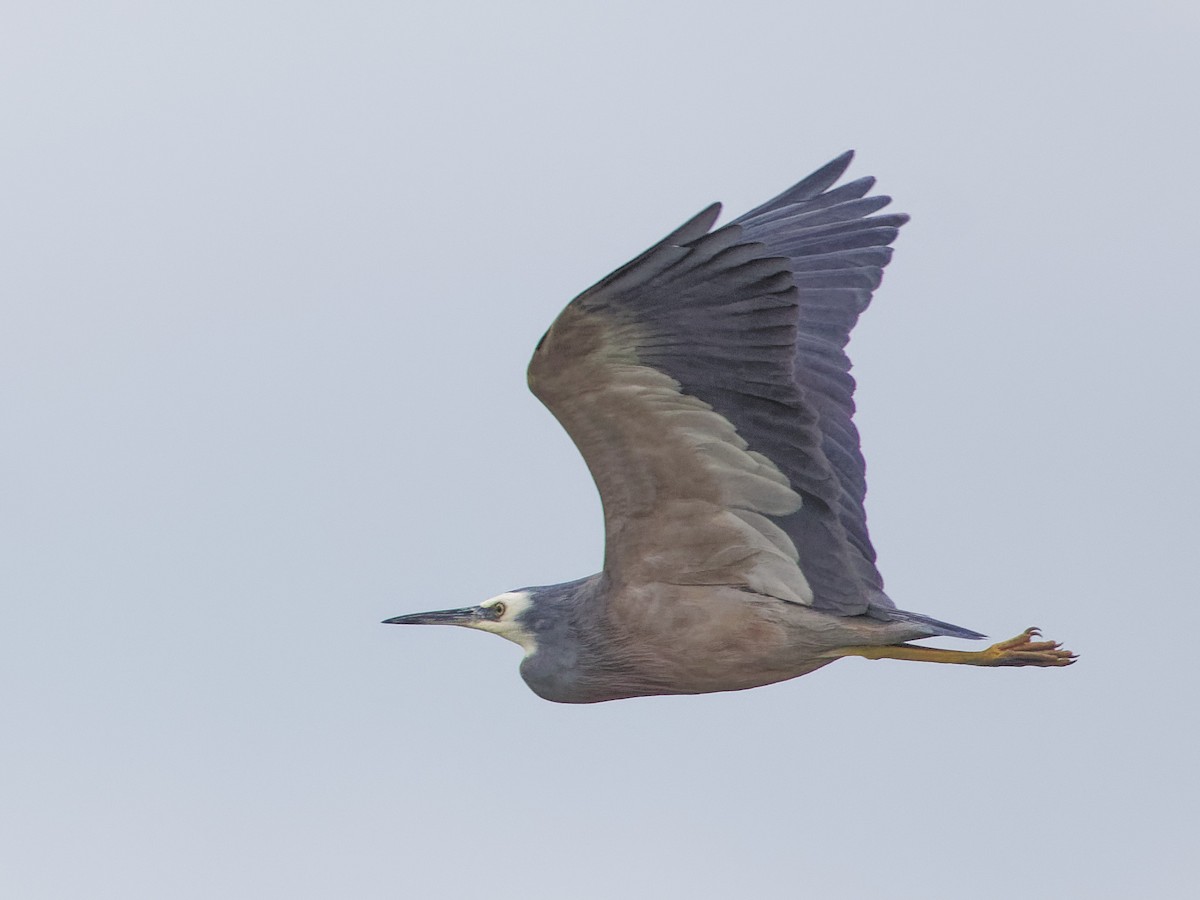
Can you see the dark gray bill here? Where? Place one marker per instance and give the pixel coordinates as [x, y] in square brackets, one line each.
[466, 616]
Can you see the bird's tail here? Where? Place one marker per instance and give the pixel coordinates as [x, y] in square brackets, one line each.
[935, 626]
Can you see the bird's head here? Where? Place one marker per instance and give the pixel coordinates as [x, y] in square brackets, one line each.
[566, 657]
[504, 614]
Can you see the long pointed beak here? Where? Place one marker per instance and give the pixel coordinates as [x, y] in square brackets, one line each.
[467, 616]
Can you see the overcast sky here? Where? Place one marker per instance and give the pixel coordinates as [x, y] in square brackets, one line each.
[270, 274]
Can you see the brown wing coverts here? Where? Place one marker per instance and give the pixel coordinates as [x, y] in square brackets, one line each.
[751, 320]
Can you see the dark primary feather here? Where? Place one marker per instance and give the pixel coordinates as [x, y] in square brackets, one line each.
[752, 319]
[834, 279]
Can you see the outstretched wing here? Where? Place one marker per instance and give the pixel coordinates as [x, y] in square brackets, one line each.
[707, 387]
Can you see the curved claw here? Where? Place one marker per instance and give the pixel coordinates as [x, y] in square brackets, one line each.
[1022, 650]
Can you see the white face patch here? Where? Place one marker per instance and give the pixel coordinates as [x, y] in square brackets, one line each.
[514, 603]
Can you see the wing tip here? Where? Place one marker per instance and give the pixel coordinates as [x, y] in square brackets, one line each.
[696, 227]
[808, 187]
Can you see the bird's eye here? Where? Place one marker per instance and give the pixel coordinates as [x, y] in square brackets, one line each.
[498, 610]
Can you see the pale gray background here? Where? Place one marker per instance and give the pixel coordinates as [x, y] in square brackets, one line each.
[271, 275]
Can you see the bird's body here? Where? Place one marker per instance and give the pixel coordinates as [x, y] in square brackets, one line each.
[707, 387]
[681, 639]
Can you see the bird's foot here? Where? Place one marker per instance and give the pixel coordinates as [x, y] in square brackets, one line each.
[1023, 650]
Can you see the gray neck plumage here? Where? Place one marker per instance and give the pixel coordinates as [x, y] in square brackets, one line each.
[577, 659]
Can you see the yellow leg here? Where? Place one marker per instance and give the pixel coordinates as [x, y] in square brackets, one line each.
[1022, 650]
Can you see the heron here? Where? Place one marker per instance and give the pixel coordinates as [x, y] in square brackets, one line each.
[707, 387]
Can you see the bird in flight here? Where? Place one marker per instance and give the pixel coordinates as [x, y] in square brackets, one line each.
[707, 386]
